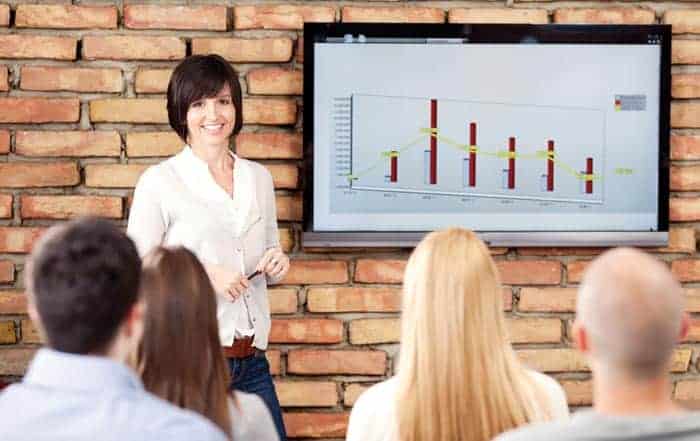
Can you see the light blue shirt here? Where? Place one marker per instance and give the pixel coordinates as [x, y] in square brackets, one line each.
[87, 398]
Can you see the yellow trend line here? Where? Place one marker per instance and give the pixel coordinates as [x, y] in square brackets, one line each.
[505, 154]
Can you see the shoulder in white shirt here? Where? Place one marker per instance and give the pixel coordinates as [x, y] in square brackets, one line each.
[251, 420]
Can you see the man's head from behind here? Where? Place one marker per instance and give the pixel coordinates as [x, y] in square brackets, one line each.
[83, 282]
[629, 315]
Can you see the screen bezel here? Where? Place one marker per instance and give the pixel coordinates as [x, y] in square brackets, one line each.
[493, 34]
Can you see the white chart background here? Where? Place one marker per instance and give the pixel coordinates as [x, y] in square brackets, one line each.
[547, 76]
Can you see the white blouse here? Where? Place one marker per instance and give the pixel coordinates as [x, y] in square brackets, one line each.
[178, 202]
[250, 419]
[373, 416]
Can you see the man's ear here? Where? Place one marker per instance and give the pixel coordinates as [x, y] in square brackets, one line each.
[580, 337]
[34, 317]
[133, 322]
[685, 327]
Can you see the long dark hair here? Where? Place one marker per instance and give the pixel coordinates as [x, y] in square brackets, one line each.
[180, 357]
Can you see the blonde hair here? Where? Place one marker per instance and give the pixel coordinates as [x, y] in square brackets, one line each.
[458, 377]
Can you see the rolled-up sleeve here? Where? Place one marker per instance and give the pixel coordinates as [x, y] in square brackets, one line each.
[147, 221]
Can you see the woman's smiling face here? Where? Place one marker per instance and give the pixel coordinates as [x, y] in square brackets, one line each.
[210, 120]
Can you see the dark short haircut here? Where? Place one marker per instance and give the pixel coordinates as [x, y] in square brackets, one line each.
[84, 277]
[197, 77]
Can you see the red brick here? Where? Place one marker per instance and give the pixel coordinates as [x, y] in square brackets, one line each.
[29, 332]
[392, 14]
[129, 110]
[685, 178]
[12, 302]
[379, 271]
[4, 141]
[316, 425]
[685, 86]
[269, 111]
[280, 16]
[693, 331]
[116, 47]
[692, 299]
[308, 272]
[5, 206]
[498, 15]
[208, 18]
[33, 174]
[8, 336]
[66, 17]
[67, 207]
[7, 271]
[300, 50]
[113, 175]
[684, 52]
[560, 251]
[286, 239]
[4, 81]
[534, 330]
[318, 362]
[353, 299]
[685, 147]
[39, 110]
[374, 331]
[19, 239]
[686, 270]
[275, 361]
[575, 270]
[289, 208]
[283, 300]
[270, 145]
[578, 393]
[529, 272]
[37, 46]
[141, 144]
[683, 21]
[15, 361]
[547, 299]
[307, 393]
[238, 50]
[553, 360]
[507, 298]
[68, 143]
[605, 16]
[306, 331]
[680, 240]
[353, 392]
[685, 115]
[684, 209]
[152, 80]
[52, 78]
[4, 15]
[275, 81]
[284, 175]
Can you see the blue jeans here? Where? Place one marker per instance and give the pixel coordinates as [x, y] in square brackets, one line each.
[252, 375]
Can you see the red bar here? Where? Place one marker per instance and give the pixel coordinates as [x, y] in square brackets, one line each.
[550, 165]
[511, 163]
[589, 174]
[472, 155]
[394, 167]
[433, 141]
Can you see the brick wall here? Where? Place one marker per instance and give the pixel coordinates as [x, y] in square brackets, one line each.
[82, 114]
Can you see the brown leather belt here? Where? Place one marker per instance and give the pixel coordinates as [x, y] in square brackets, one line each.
[241, 348]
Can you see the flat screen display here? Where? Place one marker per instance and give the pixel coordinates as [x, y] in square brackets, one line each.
[539, 129]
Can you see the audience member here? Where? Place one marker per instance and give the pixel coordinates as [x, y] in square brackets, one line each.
[82, 288]
[180, 358]
[629, 318]
[458, 377]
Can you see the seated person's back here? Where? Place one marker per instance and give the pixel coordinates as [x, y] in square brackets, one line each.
[629, 316]
[82, 286]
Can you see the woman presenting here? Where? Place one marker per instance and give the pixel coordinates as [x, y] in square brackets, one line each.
[222, 208]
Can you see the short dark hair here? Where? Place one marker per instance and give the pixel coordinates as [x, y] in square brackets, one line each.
[197, 77]
[84, 278]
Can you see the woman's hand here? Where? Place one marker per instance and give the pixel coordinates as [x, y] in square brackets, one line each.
[274, 263]
[230, 283]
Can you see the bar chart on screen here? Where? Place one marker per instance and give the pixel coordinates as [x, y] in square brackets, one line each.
[447, 147]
